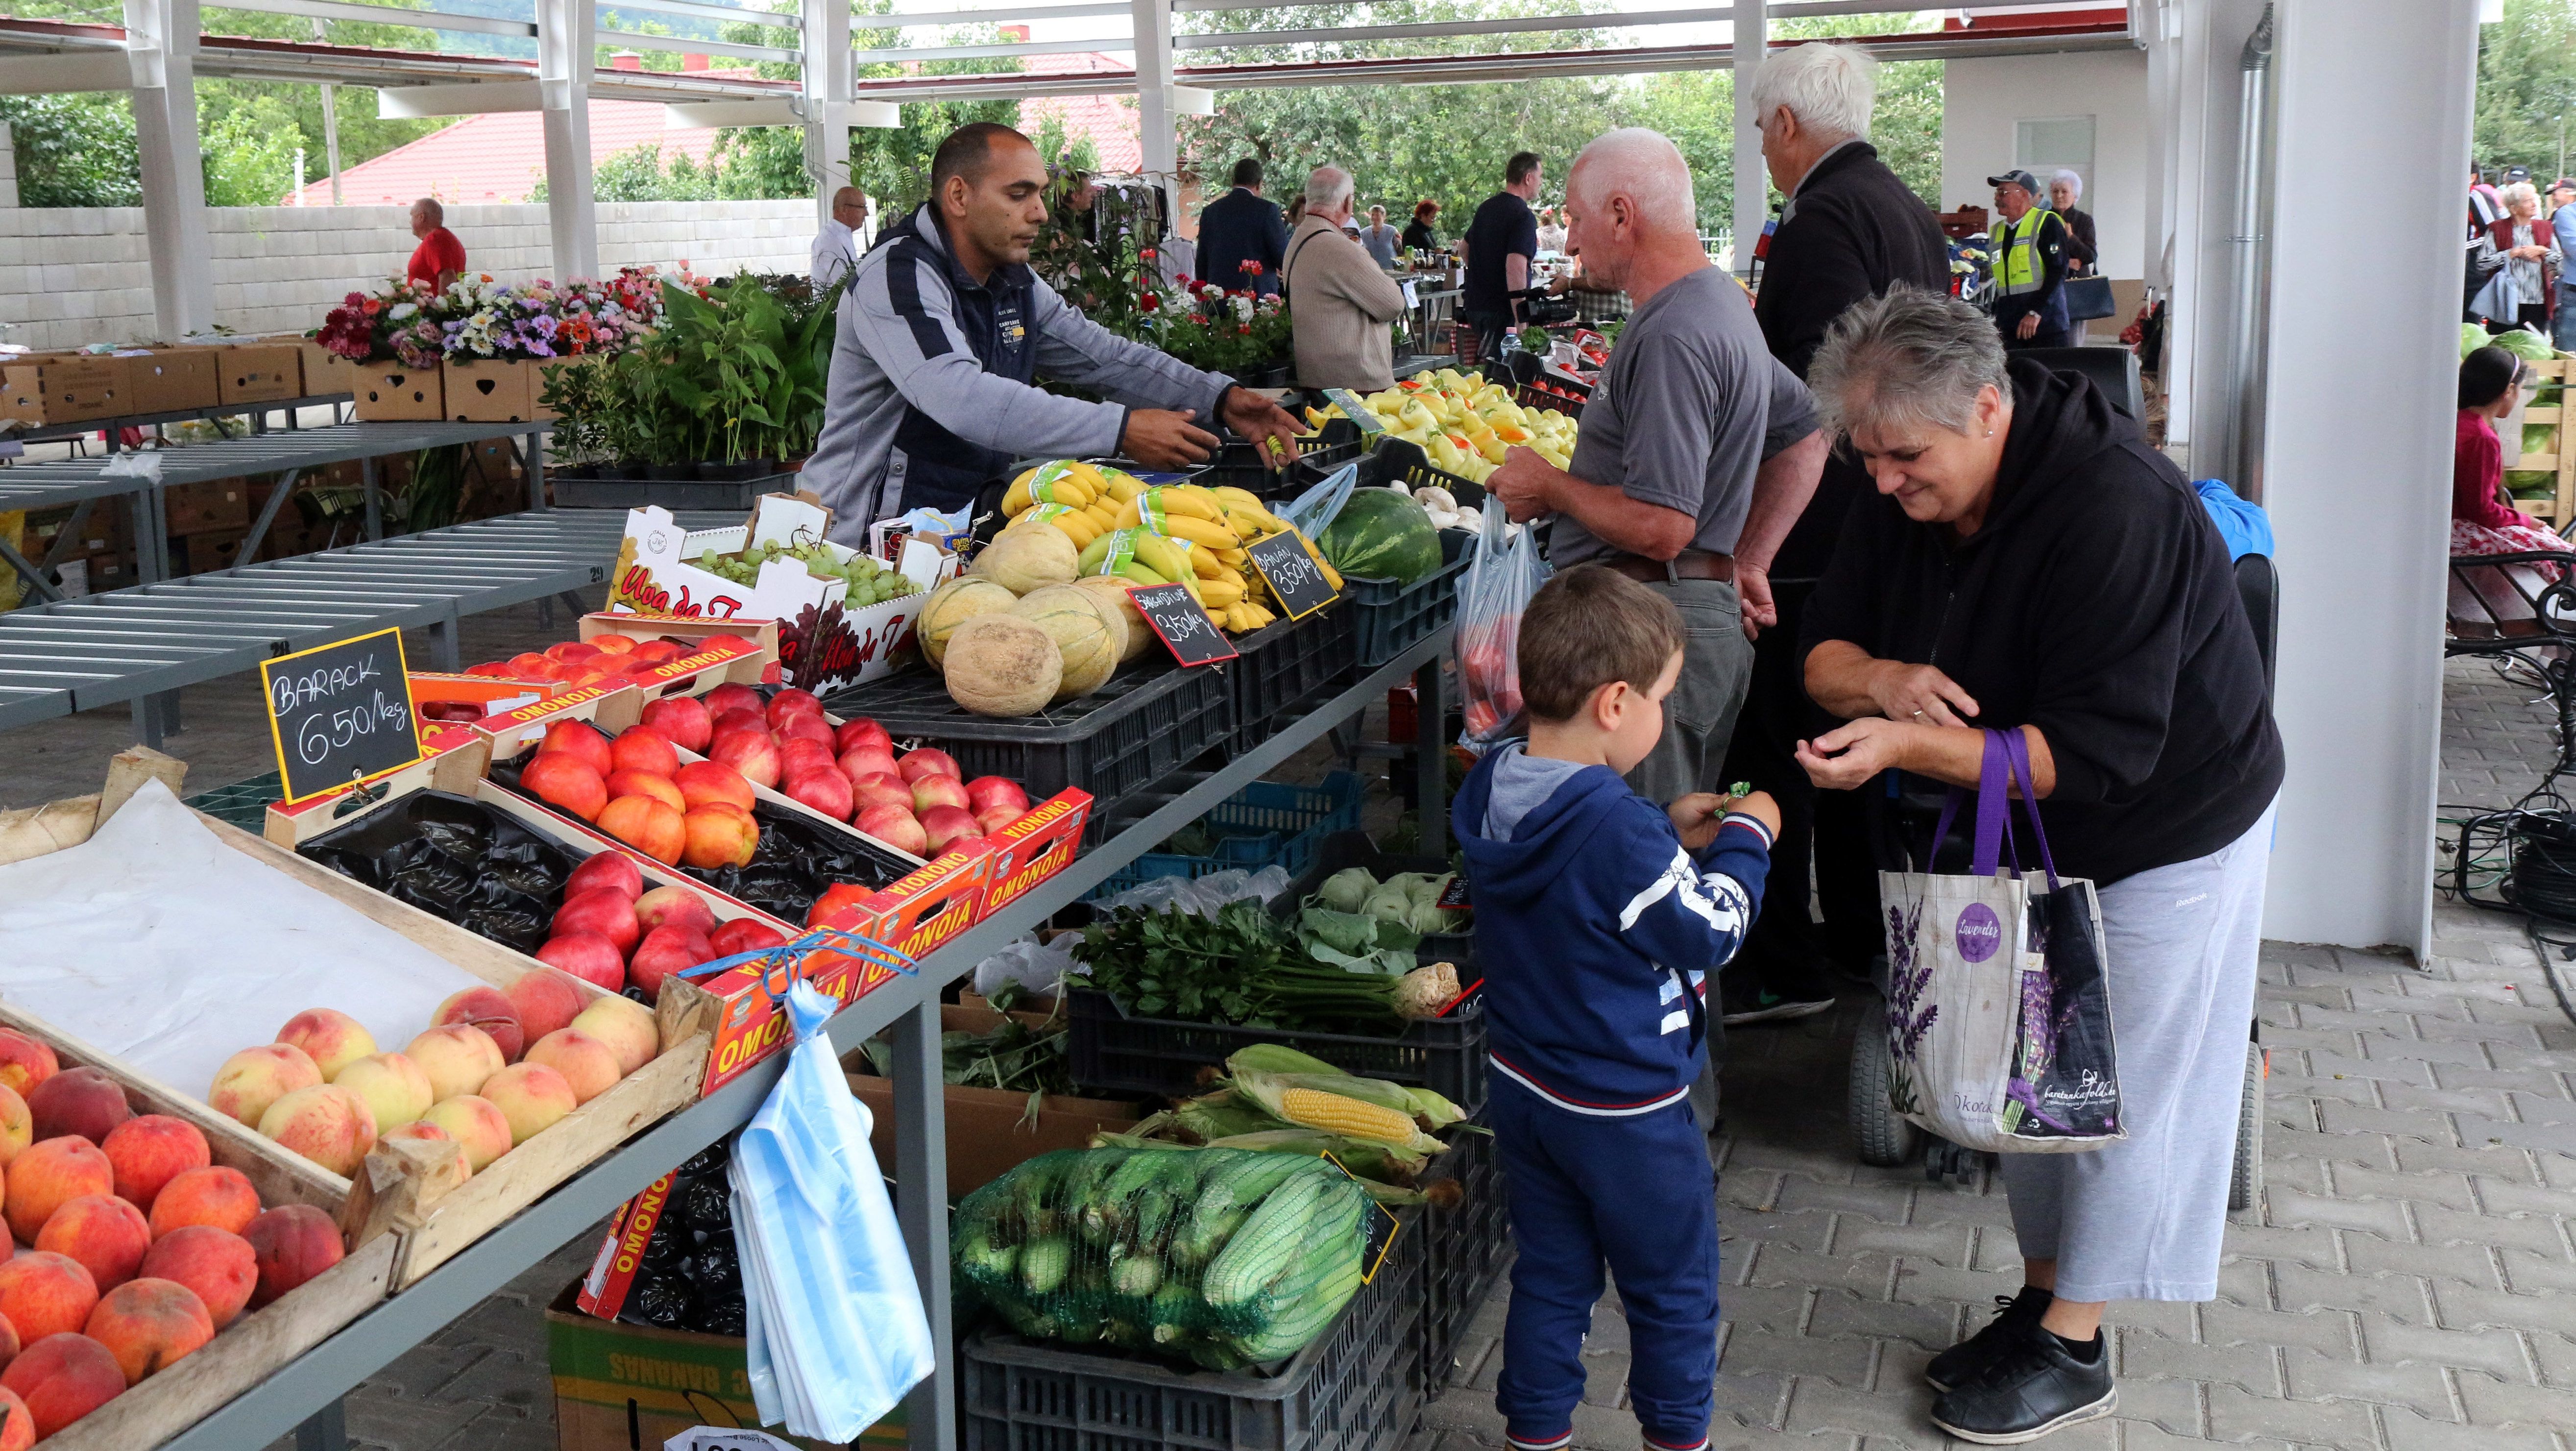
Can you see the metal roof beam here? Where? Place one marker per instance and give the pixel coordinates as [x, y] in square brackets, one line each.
[988, 52]
[384, 15]
[58, 74]
[776, 19]
[909, 20]
[680, 45]
[1231, 40]
[469, 98]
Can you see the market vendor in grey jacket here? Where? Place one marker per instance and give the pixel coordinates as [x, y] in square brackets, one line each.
[943, 333]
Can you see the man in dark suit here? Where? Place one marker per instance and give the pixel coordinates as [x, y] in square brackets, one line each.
[1242, 238]
[1851, 230]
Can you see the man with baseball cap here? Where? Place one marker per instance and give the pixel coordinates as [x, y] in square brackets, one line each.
[2030, 265]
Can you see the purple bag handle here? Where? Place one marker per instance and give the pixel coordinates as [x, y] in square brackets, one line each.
[2017, 752]
[1994, 811]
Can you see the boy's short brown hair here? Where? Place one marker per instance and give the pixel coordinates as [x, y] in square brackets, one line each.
[1586, 628]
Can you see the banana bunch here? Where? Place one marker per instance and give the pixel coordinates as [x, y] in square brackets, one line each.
[1187, 535]
[1464, 425]
[1082, 500]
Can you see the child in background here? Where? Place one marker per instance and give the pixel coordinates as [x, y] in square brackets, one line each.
[1598, 915]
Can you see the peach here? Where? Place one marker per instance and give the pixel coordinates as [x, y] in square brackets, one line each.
[17, 1423]
[17, 1125]
[644, 783]
[612, 644]
[861, 731]
[930, 789]
[675, 906]
[532, 1097]
[487, 1008]
[562, 779]
[332, 1039]
[719, 836]
[44, 1293]
[985, 791]
[626, 1026]
[476, 1124]
[25, 1062]
[582, 741]
[62, 1377]
[642, 748]
[652, 827]
[328, 1124]
[216, 1265]
[254, 1078]
[51, 1174]
[83, 1101]
[604, 910]
[755, 756]
[861, 762]
[703, 781]
[732, 696]
[804, 728]
[826, 791]
[572, 650]
[665, 950]
[292, 1243]
[609, 870]
[392, 1087]
[147, 1153]
[743, 935]
[544, 1002]
[147, 1324]
[799, 756]
[588, 956]
[683, 720]
[881, 788]
[104, 1233]
[896, 826]
[219, 1196]
[928, 762]
[587, 1065]
[457, 1058]
[944, 825]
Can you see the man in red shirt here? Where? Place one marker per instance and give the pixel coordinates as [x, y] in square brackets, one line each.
[439, 258]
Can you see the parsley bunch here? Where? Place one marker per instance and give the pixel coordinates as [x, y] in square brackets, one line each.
[1240, 966]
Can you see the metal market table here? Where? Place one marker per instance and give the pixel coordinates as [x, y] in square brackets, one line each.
[304, 1395]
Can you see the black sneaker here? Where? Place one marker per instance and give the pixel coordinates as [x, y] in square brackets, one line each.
[2014, 1314]
[2035, 1387]
[1747, 1002]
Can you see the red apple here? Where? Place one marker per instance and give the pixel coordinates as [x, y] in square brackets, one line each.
[755, 756]
[930, 791]
[792, 702]
[720, 834]
[744, 935]
[603, 911]
[609, 869]
[642, 748]
[928, 762]
[730, 696]
[993, 818]
[588, 956]
[882, 789]
[983, 791]
[583, 740]
[684, 719]
[675, 906]
[664, 951]
[896, 827]
[861, 762]
[827, 791]
[861, 731]
[563, 779]
[945, 824]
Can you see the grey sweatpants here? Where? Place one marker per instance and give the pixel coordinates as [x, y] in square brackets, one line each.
[2142, 1219]
[1699, 720]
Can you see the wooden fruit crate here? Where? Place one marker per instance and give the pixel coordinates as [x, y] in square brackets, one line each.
[2559, 460]
[406, 1213]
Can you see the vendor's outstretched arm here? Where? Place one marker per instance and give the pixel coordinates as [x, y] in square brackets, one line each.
[1074, 349]
[901, 314]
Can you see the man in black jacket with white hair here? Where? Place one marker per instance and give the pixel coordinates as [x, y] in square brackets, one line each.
[1850, 230]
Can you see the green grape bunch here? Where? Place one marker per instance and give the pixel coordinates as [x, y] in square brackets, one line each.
[868, 582]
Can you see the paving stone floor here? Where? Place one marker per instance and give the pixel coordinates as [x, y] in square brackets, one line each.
[2408, 1283]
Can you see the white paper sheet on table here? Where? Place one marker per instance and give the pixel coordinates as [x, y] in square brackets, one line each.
[158, 943]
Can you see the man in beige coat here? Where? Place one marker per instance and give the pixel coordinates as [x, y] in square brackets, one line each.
[1339, 302]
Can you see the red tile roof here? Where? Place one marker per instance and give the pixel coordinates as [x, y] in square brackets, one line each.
[1109, 120]
[497, 157]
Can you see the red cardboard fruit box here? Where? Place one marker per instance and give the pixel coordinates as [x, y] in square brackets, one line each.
[1036, 847]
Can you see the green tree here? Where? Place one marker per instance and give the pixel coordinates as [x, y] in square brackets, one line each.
[2526, 87]
[249, 153]
[74, 151]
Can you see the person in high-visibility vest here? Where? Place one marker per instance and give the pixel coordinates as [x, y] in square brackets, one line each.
[2030, 266]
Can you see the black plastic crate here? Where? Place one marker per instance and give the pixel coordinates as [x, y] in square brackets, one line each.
[1345, 849]
[1358, 1387]
[1395, 461]
[1238, 462]
[1114, 1051]
[1266, 822]
[1132, 732]
[673, 494]
[1278, 667]
[1464, 1252]
[1393, 617]
[244, 803]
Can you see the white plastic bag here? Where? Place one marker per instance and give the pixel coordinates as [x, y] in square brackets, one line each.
[1503, 573]
[836, 1332]
[1037, 967]
[1317, 507]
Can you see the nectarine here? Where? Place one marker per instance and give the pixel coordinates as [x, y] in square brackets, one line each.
[581, 740]
[755, 756]
[804, 728]
[861, 731]
[650, 826]
[665, 950]
[946, 824]
[798, 756]
[928, 761]
[719, 835]
[684, 719]
[732, 696]
[562, 779]
[896, 826]
[588, 956]
[608, 869]
[642, 748]
[932, 789]
[792, 702]
[675, 906]
[741, 935]
[859, 763]
[644, 783]
[603, 910]
[703, 781]
[825, 790]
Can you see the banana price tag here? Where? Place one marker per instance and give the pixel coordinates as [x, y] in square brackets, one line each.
[1287, 562]
[1182, 623]
[1354, 410]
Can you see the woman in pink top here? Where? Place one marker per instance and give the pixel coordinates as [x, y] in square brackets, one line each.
[2483, 519]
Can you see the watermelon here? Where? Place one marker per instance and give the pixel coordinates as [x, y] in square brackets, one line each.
[1381, 534]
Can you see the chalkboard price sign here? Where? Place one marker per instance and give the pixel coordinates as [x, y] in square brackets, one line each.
[1355, 410]
[340, 714]
[1292, 573]
[1182, 623]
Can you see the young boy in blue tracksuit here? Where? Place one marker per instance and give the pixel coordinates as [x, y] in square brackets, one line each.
[1598, 916]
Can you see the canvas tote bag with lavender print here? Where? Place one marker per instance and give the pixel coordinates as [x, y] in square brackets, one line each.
[1998, 1015]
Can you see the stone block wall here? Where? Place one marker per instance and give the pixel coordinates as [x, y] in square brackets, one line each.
[70, 276]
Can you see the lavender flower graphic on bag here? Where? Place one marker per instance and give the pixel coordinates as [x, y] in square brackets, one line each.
[1908, 1016]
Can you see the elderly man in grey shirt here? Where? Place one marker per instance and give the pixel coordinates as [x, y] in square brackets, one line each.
[836, 246]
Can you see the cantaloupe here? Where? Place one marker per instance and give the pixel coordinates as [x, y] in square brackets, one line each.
[1000, 664]
[1086, 638]
[1027, 557]
[953, 604]
[1111, 591]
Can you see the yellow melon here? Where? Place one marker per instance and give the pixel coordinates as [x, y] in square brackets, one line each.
[1026, 557]
[1085, 636]
[953, 604]
[1000, 664]
[1111, 591]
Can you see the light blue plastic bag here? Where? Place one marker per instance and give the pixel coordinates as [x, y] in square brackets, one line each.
[836, 1333]
[1319, 506]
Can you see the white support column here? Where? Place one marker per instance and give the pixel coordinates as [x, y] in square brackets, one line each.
[828, 80]
[2382, 88]
[1752, 180]
[1155, 106]
[161, 44]
[567, 53]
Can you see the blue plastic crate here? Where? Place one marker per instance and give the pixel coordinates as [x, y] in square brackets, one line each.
[1262, 824]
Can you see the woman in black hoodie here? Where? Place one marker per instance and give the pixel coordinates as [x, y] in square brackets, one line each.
[2031, 564]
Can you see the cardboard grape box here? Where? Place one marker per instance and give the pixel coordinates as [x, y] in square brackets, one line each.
[822, 645]
[620, 1387]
